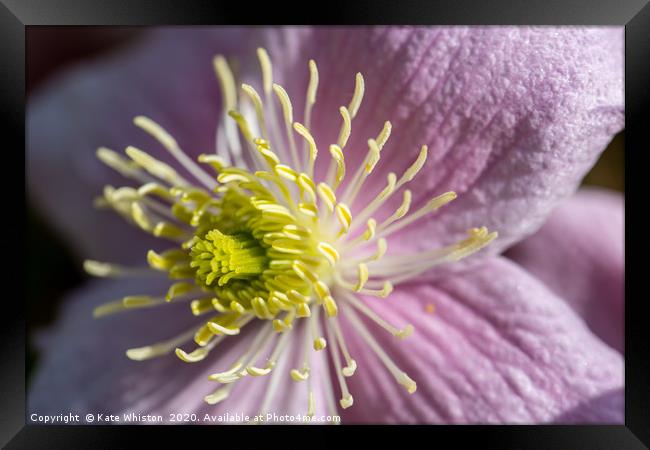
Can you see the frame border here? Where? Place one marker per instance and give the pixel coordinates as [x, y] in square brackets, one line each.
[16, 15]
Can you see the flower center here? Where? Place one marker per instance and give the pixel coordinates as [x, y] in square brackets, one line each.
[272, 243]
[222, 258]
[250, 251]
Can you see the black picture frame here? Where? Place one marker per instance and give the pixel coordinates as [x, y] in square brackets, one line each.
[16, 15]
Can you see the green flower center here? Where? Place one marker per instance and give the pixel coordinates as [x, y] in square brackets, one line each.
[220, 257]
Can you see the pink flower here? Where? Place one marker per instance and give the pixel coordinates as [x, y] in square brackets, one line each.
[513, 118]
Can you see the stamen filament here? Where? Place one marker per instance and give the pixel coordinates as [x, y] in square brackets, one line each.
[346, 398]
[124, 167]
[267, 70]
[226, 82]
[372, 158]
[250, 365]
[219, 395]
[259, 108]
[336, 169]
[126, 303]
[346, 127]
[351, 367]
[110, 270]
[403, 268]
[160, 348]
[199, 353]
[275, 377]
[155, 167]
[394, 185]
[431, 206]
[377, 201]
[358, 304]
[303, 373]
[242, 360]
[357, 97]
[400, 376]
[267, 83]
[313, 150]
[312, 88]
[319, 343]
[171, 145]
[287, 111]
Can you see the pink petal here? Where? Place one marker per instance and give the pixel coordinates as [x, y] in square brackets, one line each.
[604, 409]
[500, 348]
[578, 254]
[83, 368]
[513, 117]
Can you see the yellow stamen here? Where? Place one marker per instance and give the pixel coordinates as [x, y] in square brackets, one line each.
[363, 277]
[327, 196]
[401, 377]
[311, 91]
[226, 81]
[287, 111]
[346, 127]
[159, 348]
[346, 398]
[313, 150]
[154, 167]
[259, 108]
[383, 135]
[121, 165]
[358, 95]
[109, 270]
[243, 126]
[172, 147]
[267, 69]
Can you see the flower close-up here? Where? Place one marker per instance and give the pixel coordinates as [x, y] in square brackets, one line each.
[380, 224]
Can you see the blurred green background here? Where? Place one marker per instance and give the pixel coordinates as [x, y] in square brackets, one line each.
[51, 49]
[609, 171]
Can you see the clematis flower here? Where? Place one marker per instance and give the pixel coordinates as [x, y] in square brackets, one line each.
[333, 207]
